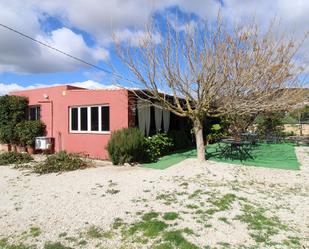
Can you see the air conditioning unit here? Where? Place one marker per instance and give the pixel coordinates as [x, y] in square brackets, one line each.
[43, 143]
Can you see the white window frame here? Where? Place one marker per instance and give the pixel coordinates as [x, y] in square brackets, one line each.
[88, 119]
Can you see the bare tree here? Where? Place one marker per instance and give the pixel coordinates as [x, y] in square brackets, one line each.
[213, 70]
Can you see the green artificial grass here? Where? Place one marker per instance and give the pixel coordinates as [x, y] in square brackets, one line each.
[280, 156]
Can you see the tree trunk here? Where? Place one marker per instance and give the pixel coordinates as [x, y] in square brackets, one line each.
[200, 147]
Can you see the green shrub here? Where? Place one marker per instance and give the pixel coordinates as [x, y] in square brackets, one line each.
[270, 123]
[126, 146]
[216, 133]
[158, 145]
[12, 111]
[27, 131]
[61, 161]
[14, 158]
[7, 134]
[181, 139]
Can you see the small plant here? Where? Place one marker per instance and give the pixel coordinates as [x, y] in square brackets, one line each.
[5, 245]
[112, 191]
[56, 245]
[176, 238]
[126, 146]
[170, 216]
[261, 226]
[157, 146]
[35, 231]
[216, 133]
[94, 232]
[61, 161]
[149, 228]
[149, 216]
[7, 158]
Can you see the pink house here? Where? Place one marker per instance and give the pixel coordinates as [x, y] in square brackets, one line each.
[82, 120]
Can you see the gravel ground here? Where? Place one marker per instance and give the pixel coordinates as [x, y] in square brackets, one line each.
[216, 206]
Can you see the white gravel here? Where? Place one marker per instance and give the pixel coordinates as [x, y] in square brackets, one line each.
[72, 202]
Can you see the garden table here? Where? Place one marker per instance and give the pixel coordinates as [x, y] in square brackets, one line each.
[235, 149]
[250, 137]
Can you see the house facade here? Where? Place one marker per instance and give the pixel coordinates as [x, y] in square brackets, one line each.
[81, 120]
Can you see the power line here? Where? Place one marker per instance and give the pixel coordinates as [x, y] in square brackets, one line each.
[62, 52]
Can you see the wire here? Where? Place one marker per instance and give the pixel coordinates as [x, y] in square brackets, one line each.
[64, 53]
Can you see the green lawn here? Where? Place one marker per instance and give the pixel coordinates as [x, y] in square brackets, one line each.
[280, 156]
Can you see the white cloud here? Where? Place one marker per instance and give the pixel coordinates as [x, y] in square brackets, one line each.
[101, 18]
[21, 55]
[89, 84]
[136, 38]
[7, 88]
[187, 27]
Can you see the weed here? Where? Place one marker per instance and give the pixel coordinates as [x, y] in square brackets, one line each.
[184, 184]
[5, 245]
[262, 226]
[149, 216]
[224, 203]
[170, 216]
[292, 242]
[112, 191]
[82, 243]
[64, 234]
[35, 231]
[55, 245]
[176, 238]
[224, 219]
[96, 233]
[192, 206]
[118, 222]
[169, 198]
[196, 193]
[150, 228]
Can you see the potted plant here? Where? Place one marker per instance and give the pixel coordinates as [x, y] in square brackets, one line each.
[27, 132]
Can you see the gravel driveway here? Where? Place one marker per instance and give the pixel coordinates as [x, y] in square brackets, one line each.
[189, 205]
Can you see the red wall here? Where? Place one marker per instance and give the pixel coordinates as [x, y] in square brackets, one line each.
[55, 115]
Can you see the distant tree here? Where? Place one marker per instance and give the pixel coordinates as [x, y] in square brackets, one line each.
[213, 70]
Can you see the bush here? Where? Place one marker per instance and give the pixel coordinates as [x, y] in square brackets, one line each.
[61, 161]
[27, 131]
[126, 146]
[270, 124]
[14, 158]
[157, 145]
[7, 134]
[216, 133]
[12, 111]
[181, 139]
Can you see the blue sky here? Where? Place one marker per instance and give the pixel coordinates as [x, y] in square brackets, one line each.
[84, 29]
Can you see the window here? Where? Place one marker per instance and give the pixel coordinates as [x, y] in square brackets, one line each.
[34, 113]
[105, 118]
[89, 119]
[84, 119]
[74, 119]
[94, 118]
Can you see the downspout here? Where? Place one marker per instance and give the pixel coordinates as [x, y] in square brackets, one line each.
[52, 115]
